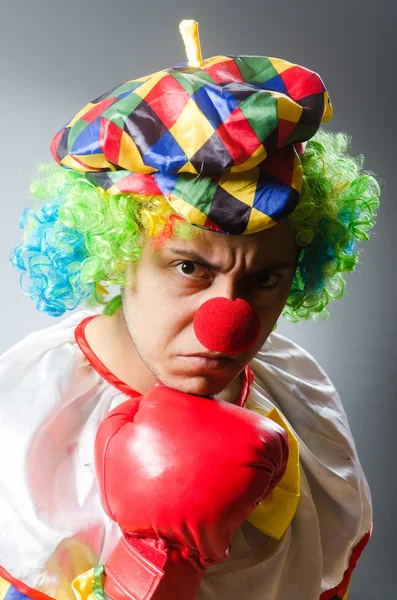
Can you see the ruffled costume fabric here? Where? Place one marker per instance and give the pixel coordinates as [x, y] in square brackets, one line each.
[54, 393]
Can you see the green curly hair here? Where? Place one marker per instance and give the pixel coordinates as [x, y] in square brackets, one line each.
[78, 240]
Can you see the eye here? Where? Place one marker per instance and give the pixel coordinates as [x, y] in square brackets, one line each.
[190, 269]
[265, 281]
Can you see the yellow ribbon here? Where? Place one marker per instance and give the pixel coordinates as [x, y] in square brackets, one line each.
[275, 513]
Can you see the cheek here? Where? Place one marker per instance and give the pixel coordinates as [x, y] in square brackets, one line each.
[157, 318]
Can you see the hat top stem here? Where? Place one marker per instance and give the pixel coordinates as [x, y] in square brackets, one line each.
[190, 36]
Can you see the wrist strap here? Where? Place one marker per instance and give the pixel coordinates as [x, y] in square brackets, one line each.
[146, 569]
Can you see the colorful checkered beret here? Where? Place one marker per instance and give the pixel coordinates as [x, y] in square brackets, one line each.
[220, 141]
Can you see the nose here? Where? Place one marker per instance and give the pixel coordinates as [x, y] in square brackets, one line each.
[224, 325]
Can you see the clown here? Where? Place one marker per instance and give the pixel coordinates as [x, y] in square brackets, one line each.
[167, 443]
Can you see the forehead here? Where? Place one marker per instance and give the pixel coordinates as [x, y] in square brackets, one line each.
[275, 243]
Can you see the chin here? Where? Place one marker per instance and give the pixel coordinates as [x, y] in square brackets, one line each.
[198, 386]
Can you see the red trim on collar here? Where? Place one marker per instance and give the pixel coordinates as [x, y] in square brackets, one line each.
[22, 587]
[123, 387]
[340, 590]
[98, 364]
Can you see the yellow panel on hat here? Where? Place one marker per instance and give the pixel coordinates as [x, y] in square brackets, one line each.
[81, 112]
[130, 157]
[287, 109]
[328, 111]
[114, 190]
[256, 157]
[187, 211]
[280, 65]
[258, 221]
[192, 129]
[188, 168]
[214, 60]
[95, 161]
[144, 78]
[241, 185]
[71, 163]
[149, 84]
[296, 182]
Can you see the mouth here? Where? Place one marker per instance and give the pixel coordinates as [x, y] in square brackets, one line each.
[208, 360]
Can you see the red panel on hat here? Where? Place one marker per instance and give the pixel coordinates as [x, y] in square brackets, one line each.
[285, 128]
[159, 99]
[55, 143]
[225, 71]
[97, 110]
[236, 127]
[301, 82]
[110, 136]
[138, 183]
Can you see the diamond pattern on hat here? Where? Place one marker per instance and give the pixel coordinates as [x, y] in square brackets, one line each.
[239, 91]
[313, 107]
[274, 198]
[215, 148]
[130, 158]
[110, 140]
[249, 142]
[59, 145]
[97, 110]
[101, 179]
[197, 135]
[301, 82]
[125, 106]
[191, 79]
[168, 112]
[215, 103]
[192, 129]
[276, 84]
[88, 141]
[196, 191]
[224, 70]
[167, 144]
[144, 127]
[226, 209]
[260, 110]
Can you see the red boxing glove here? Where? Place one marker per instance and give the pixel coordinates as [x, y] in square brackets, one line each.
[179, 474]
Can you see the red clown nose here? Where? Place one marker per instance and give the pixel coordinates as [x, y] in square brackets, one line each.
[224, 325]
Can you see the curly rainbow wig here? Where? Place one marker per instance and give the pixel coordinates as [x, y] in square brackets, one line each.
[79, 240]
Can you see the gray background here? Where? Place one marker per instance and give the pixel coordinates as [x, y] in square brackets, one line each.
[55, 56]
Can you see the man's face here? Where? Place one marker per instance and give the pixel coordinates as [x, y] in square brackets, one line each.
[168, 285]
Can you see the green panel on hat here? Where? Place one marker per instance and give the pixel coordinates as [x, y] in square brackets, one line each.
[255, 68]
[261, 113]
[125, 87]
[124, 108]
[301, 133]
[192, 82]
[196, 191]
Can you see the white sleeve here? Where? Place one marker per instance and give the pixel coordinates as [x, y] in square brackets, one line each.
[296, 384]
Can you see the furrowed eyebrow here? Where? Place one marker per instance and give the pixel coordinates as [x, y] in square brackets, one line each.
[196, 257]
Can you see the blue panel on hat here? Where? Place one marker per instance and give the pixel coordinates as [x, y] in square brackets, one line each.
[124, 94]
[87, 142]
[215, 103]
[166, 183]
[166, 155]
[276, 84]
[271, 196]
